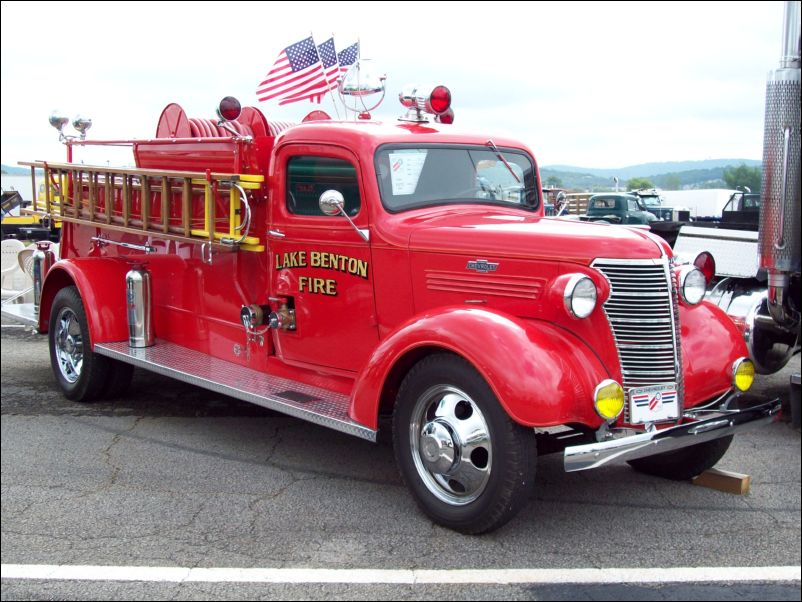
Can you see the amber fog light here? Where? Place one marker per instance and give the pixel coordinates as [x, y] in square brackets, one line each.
[608, 399]
[743, 374]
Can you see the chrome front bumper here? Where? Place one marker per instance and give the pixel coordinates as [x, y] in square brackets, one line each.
[734, 413]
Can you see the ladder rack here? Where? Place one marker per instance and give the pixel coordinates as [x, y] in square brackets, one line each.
[177, 205]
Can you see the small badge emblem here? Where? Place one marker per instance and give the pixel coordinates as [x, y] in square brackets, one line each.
[483, 266]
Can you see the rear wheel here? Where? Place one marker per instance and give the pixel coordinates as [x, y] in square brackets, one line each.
[81, 374]
[686, 463]
[468, 465]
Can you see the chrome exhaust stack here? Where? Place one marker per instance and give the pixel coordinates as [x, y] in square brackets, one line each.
[781, 208]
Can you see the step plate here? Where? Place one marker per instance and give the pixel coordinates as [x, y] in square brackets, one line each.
[21, 312]
[290, 397]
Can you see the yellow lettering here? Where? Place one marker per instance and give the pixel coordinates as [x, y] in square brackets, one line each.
[317, 286]
[314, 258]
[362, 269]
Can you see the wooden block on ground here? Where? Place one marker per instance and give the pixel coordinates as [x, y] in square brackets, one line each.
[724, 480]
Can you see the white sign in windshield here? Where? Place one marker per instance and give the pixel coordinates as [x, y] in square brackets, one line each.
[405, 170]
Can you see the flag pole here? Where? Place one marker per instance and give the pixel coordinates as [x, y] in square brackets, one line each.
[331, 93]
[325, 73]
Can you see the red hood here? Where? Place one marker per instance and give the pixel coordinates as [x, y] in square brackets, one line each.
[501, 234]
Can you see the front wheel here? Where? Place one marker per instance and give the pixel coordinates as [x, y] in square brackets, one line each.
[686, 463]
[468, 465]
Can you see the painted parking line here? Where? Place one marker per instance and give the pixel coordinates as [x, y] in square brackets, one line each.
[400, 576]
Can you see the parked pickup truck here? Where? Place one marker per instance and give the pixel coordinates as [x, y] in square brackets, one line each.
[614, 208]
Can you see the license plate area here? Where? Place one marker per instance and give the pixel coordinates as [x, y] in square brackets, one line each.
[657, 403]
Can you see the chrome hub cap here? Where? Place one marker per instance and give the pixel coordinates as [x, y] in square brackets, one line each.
[69, 346]
[437, 447]
[451, 446]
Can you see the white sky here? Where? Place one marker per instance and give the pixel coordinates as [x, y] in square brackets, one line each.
[600, 84]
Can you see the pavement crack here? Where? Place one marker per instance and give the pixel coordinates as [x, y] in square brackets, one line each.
[108, 460]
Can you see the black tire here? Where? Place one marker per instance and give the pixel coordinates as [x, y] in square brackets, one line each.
[492, 473]
[81, 374]
[686, 463]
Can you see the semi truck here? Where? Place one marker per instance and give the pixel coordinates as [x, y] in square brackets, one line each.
[756, 244]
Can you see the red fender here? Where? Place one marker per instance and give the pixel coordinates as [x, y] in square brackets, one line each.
[101, 284]
[711, 343]
[541, 374]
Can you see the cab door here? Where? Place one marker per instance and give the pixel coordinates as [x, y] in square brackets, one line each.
[320, 263]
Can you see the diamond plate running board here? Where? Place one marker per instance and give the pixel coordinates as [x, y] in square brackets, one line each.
[300, 400]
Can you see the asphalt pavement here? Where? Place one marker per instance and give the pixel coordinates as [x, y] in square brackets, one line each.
[174, 476]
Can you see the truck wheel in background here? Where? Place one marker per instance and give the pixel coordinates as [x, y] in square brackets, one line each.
[468, 465]
[686, 463]
[81, 374]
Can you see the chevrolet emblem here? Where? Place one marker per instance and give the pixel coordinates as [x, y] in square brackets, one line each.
[483, 266]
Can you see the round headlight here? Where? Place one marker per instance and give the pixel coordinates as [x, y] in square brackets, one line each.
[608, 399]
[580, 296]
[743, 374]
[692, 284]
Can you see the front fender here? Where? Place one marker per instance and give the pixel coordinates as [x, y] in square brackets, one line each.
[541, 374]
[711, 343]
[101, 284]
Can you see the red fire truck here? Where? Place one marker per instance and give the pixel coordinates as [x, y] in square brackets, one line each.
[364, 274]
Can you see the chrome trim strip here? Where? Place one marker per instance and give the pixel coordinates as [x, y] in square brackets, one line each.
[627, 446]
[324, 407]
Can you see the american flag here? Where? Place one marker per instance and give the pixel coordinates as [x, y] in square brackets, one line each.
[348, 57]
[331, 73]
[296, 72]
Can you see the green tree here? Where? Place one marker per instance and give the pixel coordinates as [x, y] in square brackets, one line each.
[638, 183]
[672, 182]
[743, 176]
[554, 182]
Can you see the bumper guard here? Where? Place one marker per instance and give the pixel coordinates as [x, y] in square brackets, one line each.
[733, 413]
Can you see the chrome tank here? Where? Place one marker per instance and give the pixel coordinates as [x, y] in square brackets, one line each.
[43, 259]
[139, 303]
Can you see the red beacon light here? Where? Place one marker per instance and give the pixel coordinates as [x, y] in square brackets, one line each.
[435, 100]
[229, 109]
[447, 117]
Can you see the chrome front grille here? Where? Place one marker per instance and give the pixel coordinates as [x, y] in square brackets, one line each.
[642, 311]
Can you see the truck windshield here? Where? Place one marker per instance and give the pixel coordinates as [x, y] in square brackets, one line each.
[411, 177]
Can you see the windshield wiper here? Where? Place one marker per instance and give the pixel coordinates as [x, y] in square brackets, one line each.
[494, 148]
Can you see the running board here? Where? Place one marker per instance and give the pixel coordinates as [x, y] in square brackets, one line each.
[306, 402]
[21, 312]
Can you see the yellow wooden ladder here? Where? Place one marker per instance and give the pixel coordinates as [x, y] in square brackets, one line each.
[176, 205]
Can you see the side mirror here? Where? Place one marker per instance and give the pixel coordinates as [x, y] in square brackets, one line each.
[332, 203]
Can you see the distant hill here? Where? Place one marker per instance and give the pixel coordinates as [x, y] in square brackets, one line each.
[690, 174]
[15, 171]
[644, 170]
